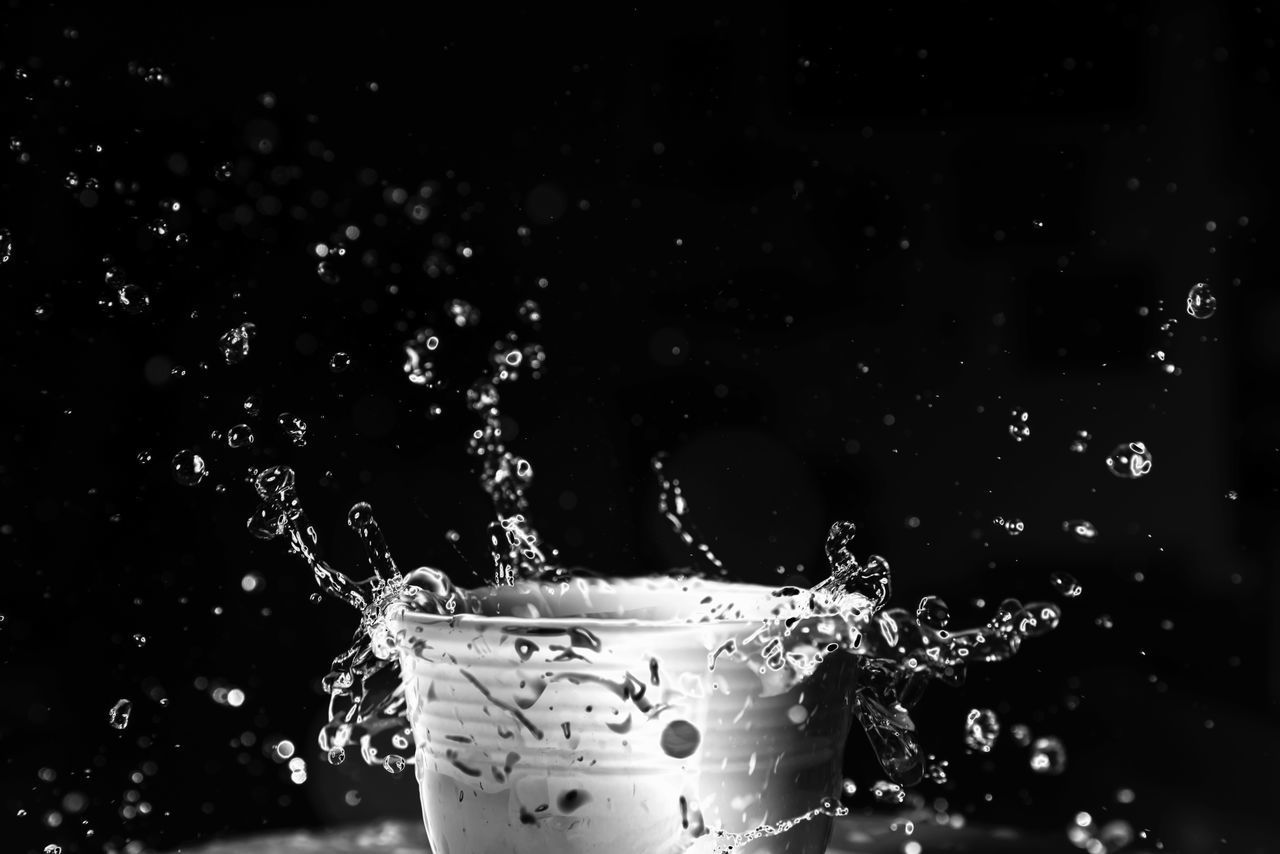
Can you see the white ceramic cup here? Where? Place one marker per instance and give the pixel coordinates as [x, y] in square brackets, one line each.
[584, 718]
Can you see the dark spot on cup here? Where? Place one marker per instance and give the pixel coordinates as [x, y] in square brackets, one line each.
[571, 800]
[527, 817]
[680, 739]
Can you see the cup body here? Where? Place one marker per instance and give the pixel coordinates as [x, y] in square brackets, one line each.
[611, 734]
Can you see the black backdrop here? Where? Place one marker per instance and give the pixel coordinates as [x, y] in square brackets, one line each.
[817, 259]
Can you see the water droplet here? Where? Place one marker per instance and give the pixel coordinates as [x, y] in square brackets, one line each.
[1066, 584]
[339, 362]
[393, 764]
[849, 788]
[53, 848]
[360, 517]
[934, 612]
[118, 717]
[1013, 526]
[6, 246]
[223, 172]
[981, 728]
[133, 299]
[139, 640]
[252, 405]
[1021, 735]
[530, 312]
[1048, 756]
[1201, 303]
[1082, 529]
[889, 793]
[1232, 495]
[234, 343]
[294, 427]
[328, 272]
[418, 366]
[1130, 461]
[462, 312]
[1080, 443]
[273, 481]
[1116, 835]
[337, 756]
[144, 457]
[1104, 621]
[188, 468]
[524, 469]
[240, 436]
[1019, 429]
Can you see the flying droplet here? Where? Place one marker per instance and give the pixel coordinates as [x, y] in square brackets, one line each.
[223, 172]
[118, 717]
[1080, 443]
[1130, 461]
[1013, 527]
[1019, 429]
[339, 362]
[1021, 735]
[934, 612]
[234, 343]
[328, 272]
[360, 516]
[1082, 529]
[1201, 303]
[188, 468]
[6, 246]
[1048, 756]
[273, 481]
[1066, 584]
[530, 312]
[240, 436]
[981, 729]
[889, 793]
[462, 312]
[1232, 495]
[393, 764]
[1116, 835]
[294, 427]
[133, 299]
[337, 756]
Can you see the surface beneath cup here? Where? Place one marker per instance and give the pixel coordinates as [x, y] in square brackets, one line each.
[853, 835]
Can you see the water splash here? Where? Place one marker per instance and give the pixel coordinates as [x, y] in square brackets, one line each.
[672, 505]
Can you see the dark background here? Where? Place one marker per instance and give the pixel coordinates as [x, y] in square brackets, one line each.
[817, 259]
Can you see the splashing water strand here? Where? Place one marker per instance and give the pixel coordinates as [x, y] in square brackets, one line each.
[897, 652]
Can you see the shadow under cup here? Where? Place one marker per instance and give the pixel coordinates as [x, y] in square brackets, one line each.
[588, 720]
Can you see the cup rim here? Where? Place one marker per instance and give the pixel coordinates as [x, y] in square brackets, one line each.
[488, 621]
[406, 615]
